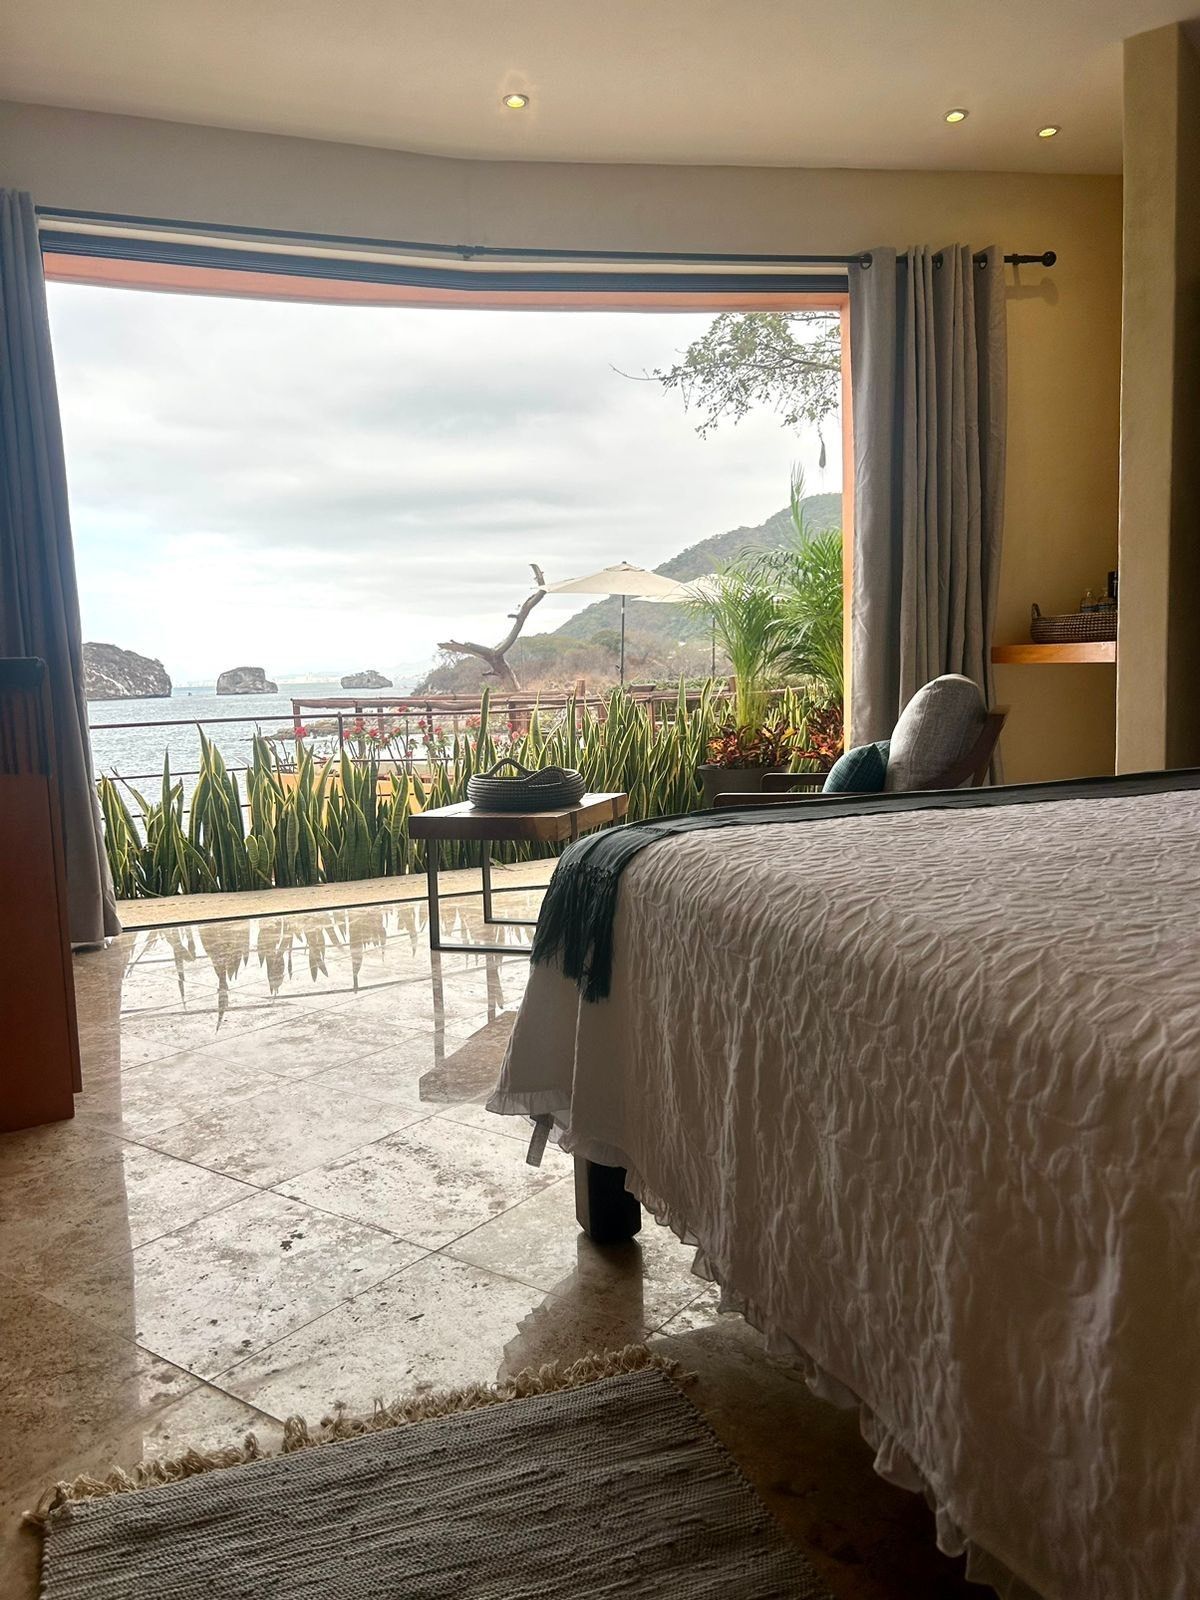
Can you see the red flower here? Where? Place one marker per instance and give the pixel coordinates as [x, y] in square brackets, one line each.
[300, 733]
[372, 733]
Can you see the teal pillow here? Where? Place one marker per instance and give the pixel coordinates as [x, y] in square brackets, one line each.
[862, 770]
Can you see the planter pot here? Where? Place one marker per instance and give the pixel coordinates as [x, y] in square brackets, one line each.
[731, 780]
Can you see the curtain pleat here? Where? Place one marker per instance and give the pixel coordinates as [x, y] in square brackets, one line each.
[929, 365]
[883, 396]
[39, 602]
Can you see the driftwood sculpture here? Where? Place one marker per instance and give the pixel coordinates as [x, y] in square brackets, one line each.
[495, 654]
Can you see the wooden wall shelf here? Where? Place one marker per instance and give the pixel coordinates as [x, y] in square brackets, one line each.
[1060, 655]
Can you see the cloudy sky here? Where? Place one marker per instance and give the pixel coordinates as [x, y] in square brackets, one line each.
[324, 488]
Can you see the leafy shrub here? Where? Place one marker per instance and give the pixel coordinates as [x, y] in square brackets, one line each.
[773, 744]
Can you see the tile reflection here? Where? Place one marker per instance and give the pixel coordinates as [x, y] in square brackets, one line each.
[309, 962]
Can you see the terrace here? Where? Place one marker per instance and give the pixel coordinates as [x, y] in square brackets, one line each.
[391, 756]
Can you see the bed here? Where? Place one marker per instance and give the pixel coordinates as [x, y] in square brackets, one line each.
[922, 1085]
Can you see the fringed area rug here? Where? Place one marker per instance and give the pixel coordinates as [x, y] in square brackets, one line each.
[584, 1486]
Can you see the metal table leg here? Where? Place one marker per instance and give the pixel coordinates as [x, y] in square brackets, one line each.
[431, 882]
[485, 867]
[436, 942]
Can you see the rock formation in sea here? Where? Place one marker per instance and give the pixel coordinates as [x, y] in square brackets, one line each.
[370, 679]
[246, 680]
[110, 673]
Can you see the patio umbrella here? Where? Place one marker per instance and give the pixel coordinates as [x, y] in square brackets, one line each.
[693, 589]
[624, 580]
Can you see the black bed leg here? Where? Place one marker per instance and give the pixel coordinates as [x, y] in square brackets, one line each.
[606, 1211]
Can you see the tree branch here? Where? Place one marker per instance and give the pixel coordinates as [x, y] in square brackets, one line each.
[750, 359]
[494, 654]
[523, 610]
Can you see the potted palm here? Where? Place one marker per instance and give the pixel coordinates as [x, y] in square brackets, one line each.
[778, 614]
[743, 608]
[809, 583]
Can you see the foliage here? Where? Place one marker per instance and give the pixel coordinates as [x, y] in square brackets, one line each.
[346, 816]
[788, 361]
[778, 616]
[660, 647]
[810, 615]
[824, 736]
[774, 744]
[807, 578]
[742, 606]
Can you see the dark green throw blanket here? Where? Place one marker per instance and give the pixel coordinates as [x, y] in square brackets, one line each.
[579, 912]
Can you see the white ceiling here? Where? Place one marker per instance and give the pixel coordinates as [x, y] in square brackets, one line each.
[859, 83]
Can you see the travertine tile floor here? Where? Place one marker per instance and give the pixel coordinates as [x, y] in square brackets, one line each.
[281, 1189]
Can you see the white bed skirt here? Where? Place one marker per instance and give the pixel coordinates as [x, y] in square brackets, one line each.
[891, 1461]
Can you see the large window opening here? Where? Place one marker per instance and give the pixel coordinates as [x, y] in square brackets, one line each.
[331, 481]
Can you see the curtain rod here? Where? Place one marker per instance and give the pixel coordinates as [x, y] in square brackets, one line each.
[480, 252]
[863, 258]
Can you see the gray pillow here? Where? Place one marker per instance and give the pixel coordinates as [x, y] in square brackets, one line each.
[937, 727]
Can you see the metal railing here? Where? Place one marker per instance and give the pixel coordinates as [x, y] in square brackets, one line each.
[453, 713]
[458, 711]
[169, 722]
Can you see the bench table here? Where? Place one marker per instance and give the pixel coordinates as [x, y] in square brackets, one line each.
[465, 821]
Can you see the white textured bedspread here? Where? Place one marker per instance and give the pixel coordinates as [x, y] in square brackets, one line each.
[925, 1091]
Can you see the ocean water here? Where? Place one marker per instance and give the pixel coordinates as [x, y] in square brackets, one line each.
[132, 752]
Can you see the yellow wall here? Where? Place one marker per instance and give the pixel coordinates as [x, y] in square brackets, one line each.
[1064, 325]
[1158, 694]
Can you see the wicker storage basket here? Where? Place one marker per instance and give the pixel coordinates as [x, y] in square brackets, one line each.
[545, 790]
[1075, 627]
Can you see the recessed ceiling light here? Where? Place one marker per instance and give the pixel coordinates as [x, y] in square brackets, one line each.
[516, 102]
[1048, 131]
[957, 115]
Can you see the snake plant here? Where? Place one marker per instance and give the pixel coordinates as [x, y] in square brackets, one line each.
[334, 820]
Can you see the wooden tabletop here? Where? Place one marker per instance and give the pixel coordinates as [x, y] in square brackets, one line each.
[465, 821]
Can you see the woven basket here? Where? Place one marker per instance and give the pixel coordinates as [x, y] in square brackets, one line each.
[1075, 627]
[545, 790]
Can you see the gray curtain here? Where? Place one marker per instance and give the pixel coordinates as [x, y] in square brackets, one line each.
[928, 362]
[39, 605]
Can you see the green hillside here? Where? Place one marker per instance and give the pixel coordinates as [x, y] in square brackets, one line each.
[662, 643]
[662, 623]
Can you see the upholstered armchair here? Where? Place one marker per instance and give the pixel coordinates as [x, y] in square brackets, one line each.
[945, 739]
